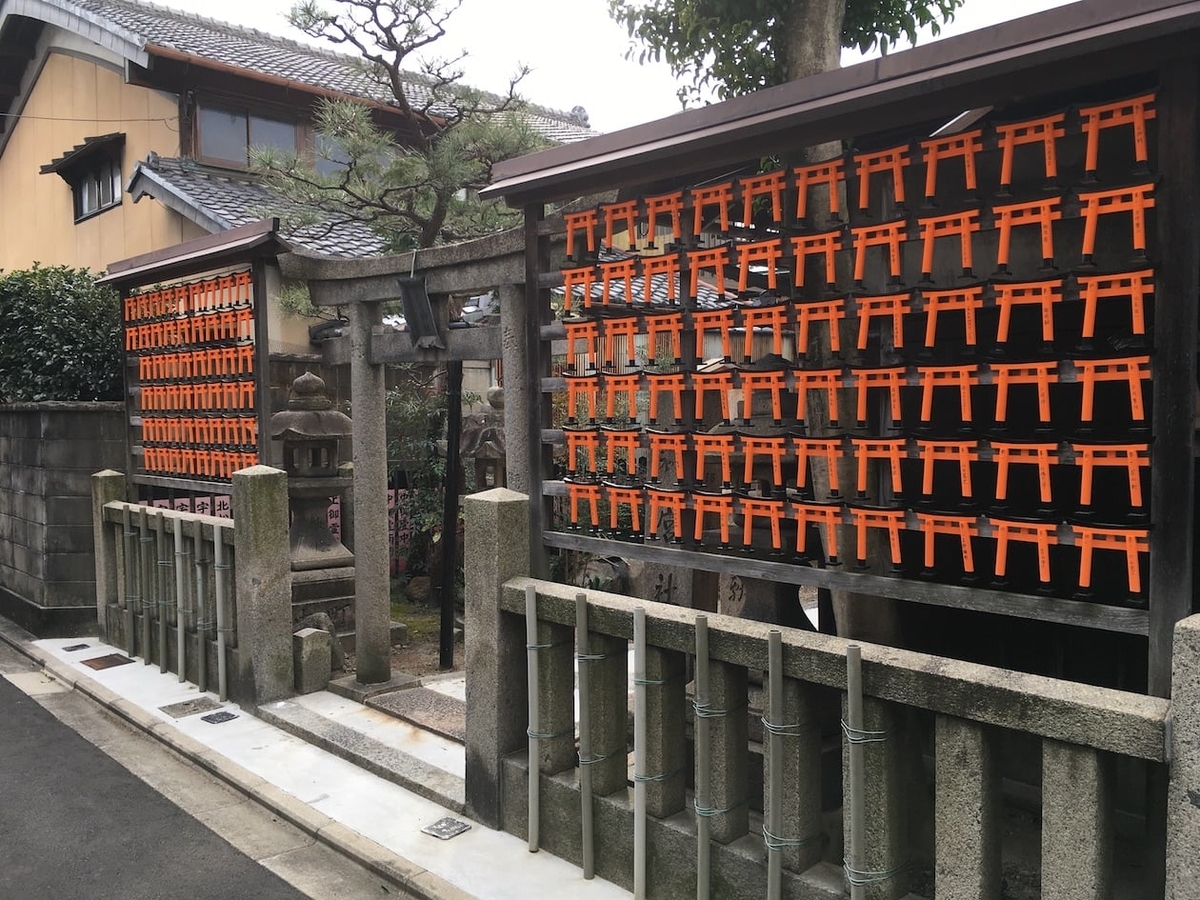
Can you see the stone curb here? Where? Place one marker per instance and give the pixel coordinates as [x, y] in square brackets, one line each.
[374, 857]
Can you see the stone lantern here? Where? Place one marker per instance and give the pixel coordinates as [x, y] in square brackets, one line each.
[311, 431]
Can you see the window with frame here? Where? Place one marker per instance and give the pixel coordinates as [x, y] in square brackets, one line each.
[227, 134]
[330, 157]
[93, 172]
[96, 187]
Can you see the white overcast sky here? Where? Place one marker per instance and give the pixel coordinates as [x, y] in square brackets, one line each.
[576, 52]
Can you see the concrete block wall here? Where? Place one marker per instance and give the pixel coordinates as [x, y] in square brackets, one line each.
[47, 561]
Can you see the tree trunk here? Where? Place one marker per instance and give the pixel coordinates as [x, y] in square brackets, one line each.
[812, 37]
[432, 228]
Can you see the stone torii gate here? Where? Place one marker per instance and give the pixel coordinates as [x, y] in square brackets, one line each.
[364, 286]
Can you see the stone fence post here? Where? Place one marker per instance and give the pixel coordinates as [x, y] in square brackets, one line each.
[264, 584]
[107, 486]
[1183, 804]
[496, 550]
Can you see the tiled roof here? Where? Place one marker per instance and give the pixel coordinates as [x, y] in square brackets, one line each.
[89, 146]
[218, 199]
[257, 51]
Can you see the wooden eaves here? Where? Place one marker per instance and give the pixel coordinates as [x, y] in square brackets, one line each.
[177, 70]
[1055, 50]
[259, 239]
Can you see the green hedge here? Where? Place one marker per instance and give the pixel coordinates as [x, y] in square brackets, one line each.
[60, 337]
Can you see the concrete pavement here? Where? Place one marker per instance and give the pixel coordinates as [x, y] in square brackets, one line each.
[375, 823]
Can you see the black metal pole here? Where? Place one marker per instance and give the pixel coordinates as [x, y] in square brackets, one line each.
[450, 512]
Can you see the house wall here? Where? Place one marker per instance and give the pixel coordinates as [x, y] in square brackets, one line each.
[188, 230]
[288, 333]
[478, 377]
[75, 96]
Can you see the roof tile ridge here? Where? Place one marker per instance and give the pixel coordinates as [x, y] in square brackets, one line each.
[78, 9]
[245, 31]
[156, 175]
[206, 170]
[349, 60]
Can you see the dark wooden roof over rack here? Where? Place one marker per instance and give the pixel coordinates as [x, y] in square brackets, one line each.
[1059, 49]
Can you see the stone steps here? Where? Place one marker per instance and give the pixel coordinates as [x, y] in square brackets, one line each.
[367, 752]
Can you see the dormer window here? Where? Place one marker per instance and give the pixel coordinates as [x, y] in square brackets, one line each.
[227, 134]
[93, 171]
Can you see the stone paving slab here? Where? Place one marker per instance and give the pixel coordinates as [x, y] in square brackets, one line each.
[432, 710]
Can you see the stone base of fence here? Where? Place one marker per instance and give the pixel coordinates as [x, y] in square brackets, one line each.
[737, 868]
[116, 634]
[1084, 737]
[162, 570]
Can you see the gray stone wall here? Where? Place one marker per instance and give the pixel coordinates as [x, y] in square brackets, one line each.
[47, 562]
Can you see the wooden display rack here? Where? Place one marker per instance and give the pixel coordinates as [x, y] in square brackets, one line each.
[982, 304]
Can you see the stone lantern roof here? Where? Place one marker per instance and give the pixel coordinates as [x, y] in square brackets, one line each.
[310, 414]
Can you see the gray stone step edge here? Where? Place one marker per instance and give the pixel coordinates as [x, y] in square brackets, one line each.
[375, 858]
[376, 757]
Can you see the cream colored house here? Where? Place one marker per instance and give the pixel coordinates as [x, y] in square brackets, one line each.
[125, 129]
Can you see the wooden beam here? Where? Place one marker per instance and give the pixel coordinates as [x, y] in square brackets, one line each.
[1064, 48]
[1172, 479]
[262, 358]
[955, 596]
[196, 255]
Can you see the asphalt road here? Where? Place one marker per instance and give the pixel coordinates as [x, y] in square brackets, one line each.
[76, 822]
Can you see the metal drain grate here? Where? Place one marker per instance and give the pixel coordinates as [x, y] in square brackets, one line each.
[446, 828]
[74, 647]
[218, 717]
[106, 662]
[190, 707]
